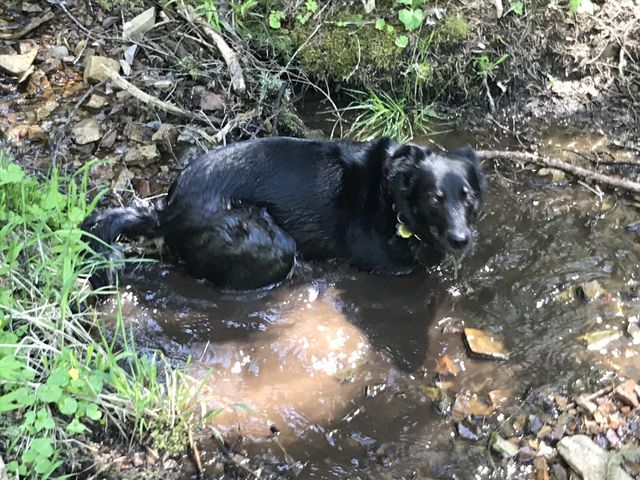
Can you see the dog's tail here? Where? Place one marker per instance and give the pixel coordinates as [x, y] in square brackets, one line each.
[104, 227]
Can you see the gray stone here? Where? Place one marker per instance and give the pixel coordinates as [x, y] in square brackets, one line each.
[140, 25]
[96, 101]
[93, 68]
[86, 131]
[59, 52]
[142, 155]
[587, 459]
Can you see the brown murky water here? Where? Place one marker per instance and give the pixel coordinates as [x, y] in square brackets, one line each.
[343, 364]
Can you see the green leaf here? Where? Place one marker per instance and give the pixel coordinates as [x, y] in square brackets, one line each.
[380, 24]
[410, 18]
[11, 174]
[517, 6]
[275, 19]
[49, 393]
[68, 406]
[19, 398]
[93, 411]
[40, 447]
[402, 41]
[312, 6]
[11, 369]
[390, 29]
[76, 427]
[574, 5]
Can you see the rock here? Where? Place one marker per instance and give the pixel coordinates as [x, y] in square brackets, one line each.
[109, 139]
[583, 402]
[625, 392]
[534, 424]
[634, 332]
[86, 131]
[559, 472]
[3, 470]
[211, 102]
[446, 367]
[483, 344]
[138, 26]
[93, 68]
[466, 432]
[542, 469]
[612, 438]
[525, 454]
[600, 339]
[36, 133]
[60, 52]
[122, 180]
[504, 447]
[589, 291]
[165, 136]
[31, 8]
[586, 458]
[555, 174]
[466, 405]
[96, 101]
[18, 64]
[142, 155]
[138, 459]
[137, 132]
[500, 397]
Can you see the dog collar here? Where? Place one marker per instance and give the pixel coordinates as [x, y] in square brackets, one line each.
[403, 231]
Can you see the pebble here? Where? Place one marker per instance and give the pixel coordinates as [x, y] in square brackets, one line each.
[60, 52]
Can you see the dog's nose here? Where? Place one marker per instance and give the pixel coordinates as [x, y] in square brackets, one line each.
[458, 240]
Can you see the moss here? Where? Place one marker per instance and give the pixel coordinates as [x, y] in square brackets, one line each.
[454, 28]
[340, 53]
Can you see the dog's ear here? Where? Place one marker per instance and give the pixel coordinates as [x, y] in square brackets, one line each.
[403, 168]
[477, 178]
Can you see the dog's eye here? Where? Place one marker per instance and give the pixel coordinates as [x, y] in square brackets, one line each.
[465, 191]
[438, 197]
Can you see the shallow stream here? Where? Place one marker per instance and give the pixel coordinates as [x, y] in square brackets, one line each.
[340, 368]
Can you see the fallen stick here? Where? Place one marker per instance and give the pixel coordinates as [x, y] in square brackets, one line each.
[149, 99]
[32, 25]
[229, 56]
[601, 178]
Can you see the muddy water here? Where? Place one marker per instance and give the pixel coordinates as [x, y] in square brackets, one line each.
[342, 365]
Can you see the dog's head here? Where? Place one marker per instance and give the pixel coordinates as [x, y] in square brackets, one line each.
[438, 195]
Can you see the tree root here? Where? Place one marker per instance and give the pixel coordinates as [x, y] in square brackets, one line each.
[614, 181]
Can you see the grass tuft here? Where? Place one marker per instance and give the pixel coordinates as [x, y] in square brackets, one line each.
[62, 383]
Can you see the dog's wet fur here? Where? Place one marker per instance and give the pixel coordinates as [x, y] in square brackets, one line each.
[240, 215]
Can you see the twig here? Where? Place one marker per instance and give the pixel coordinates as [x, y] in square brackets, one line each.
[610, 180]
[35, 23]
[196, 454]
[229, 56]
[149, 99]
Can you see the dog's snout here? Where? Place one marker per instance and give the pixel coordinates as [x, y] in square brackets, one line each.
[459, 239]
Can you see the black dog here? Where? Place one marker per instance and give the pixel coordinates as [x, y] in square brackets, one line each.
[239, 215]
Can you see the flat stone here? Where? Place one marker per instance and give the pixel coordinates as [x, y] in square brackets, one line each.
[504, 447]
[93, 68]
[466, 405]
[483, 344]
[19, 63]
[142, 155]
[625, 392]
[60, 52]
[86, 131]
[138, 26]
[598, 340]
[35, 132]
[96, 101]
[212, 102]
[587, 459]
[525, 454]
[167, 133]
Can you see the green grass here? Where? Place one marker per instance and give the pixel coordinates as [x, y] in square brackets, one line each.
[381, 114]
[62, 382]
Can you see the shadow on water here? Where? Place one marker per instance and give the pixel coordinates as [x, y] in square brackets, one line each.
[342, 363]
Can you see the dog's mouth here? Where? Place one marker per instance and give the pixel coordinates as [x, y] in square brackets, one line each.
[455, 244]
